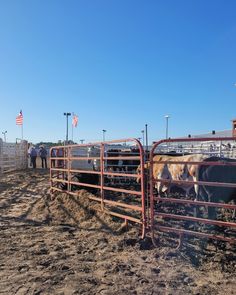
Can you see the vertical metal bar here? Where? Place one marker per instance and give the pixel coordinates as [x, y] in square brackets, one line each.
[151, 197]
[50, 167]
[167, 127]
[102, 174]
[143, 200]
[64, 162]
[68, 168]
[66, 128]
[146, 131]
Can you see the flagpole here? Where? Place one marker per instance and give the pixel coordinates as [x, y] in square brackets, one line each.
[22, 131]
[72, 133]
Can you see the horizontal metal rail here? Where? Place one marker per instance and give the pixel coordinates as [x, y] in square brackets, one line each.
[85, 171]
[195, 233]
[122, 158]
[131, 192]
[196, 219]
[121, 174]
[96, 172]
[196, 203]
[114, 203]
[204, 163]
[188, 182]
[84, 184]
[75, 183]
[136, 220]
[83, 158]
[59, 169]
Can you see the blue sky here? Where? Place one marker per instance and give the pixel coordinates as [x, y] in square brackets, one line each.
[118, 64]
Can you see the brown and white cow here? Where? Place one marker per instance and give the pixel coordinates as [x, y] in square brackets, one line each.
[186, 172]
[174, 172]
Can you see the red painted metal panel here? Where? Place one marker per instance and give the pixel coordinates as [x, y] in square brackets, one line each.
[158, 202]
[63, 172]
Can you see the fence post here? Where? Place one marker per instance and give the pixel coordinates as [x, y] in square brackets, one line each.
[24, 155]
[1, 163]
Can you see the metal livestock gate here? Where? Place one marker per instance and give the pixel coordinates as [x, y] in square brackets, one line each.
[174, 212]
[108, 168]
[13, 156]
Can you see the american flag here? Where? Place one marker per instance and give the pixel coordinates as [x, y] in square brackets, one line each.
[19, 119]
[75, 120]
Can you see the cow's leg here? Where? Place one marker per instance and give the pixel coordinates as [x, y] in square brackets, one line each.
[187, 191]
[197, 196]
[234, 211]
[234, 214]
[168, 190]
[196, 207]
[201, 195]
[211, 210]
[196, 186]
[158, 187]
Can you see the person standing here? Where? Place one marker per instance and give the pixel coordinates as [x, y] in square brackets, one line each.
[53, 155]
[29, 157]
[33, 156]
[43, 156]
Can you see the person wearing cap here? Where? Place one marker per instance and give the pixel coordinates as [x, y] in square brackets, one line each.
[33, 156]
[43, 156]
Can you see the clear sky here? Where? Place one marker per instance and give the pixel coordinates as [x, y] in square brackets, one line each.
[118, 64]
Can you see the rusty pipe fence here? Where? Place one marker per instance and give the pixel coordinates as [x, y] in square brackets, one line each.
[109, 169]
[174, 212]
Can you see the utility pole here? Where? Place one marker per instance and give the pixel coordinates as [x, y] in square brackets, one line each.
[103, 134]
[146, 131]
[67, 115]
[167, 125]
[4, 134]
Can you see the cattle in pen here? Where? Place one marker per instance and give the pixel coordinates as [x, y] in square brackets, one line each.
[165, 173]
[225, 174]
[116, 162]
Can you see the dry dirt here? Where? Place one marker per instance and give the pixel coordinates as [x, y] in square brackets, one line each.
[62, 245]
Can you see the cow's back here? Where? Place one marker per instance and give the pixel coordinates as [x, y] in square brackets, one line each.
[215, 173]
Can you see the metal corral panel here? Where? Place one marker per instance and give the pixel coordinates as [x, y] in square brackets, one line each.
[13, 156]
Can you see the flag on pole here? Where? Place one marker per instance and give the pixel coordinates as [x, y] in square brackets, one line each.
[19, 119]
[75, 120]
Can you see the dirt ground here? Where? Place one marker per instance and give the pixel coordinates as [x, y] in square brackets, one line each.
[62, 245]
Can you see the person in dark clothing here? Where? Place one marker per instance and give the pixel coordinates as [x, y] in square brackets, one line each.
[53, 155]
[43, 156]
[33, 156]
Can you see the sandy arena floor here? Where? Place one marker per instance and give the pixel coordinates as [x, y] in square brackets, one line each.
[62, 245]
